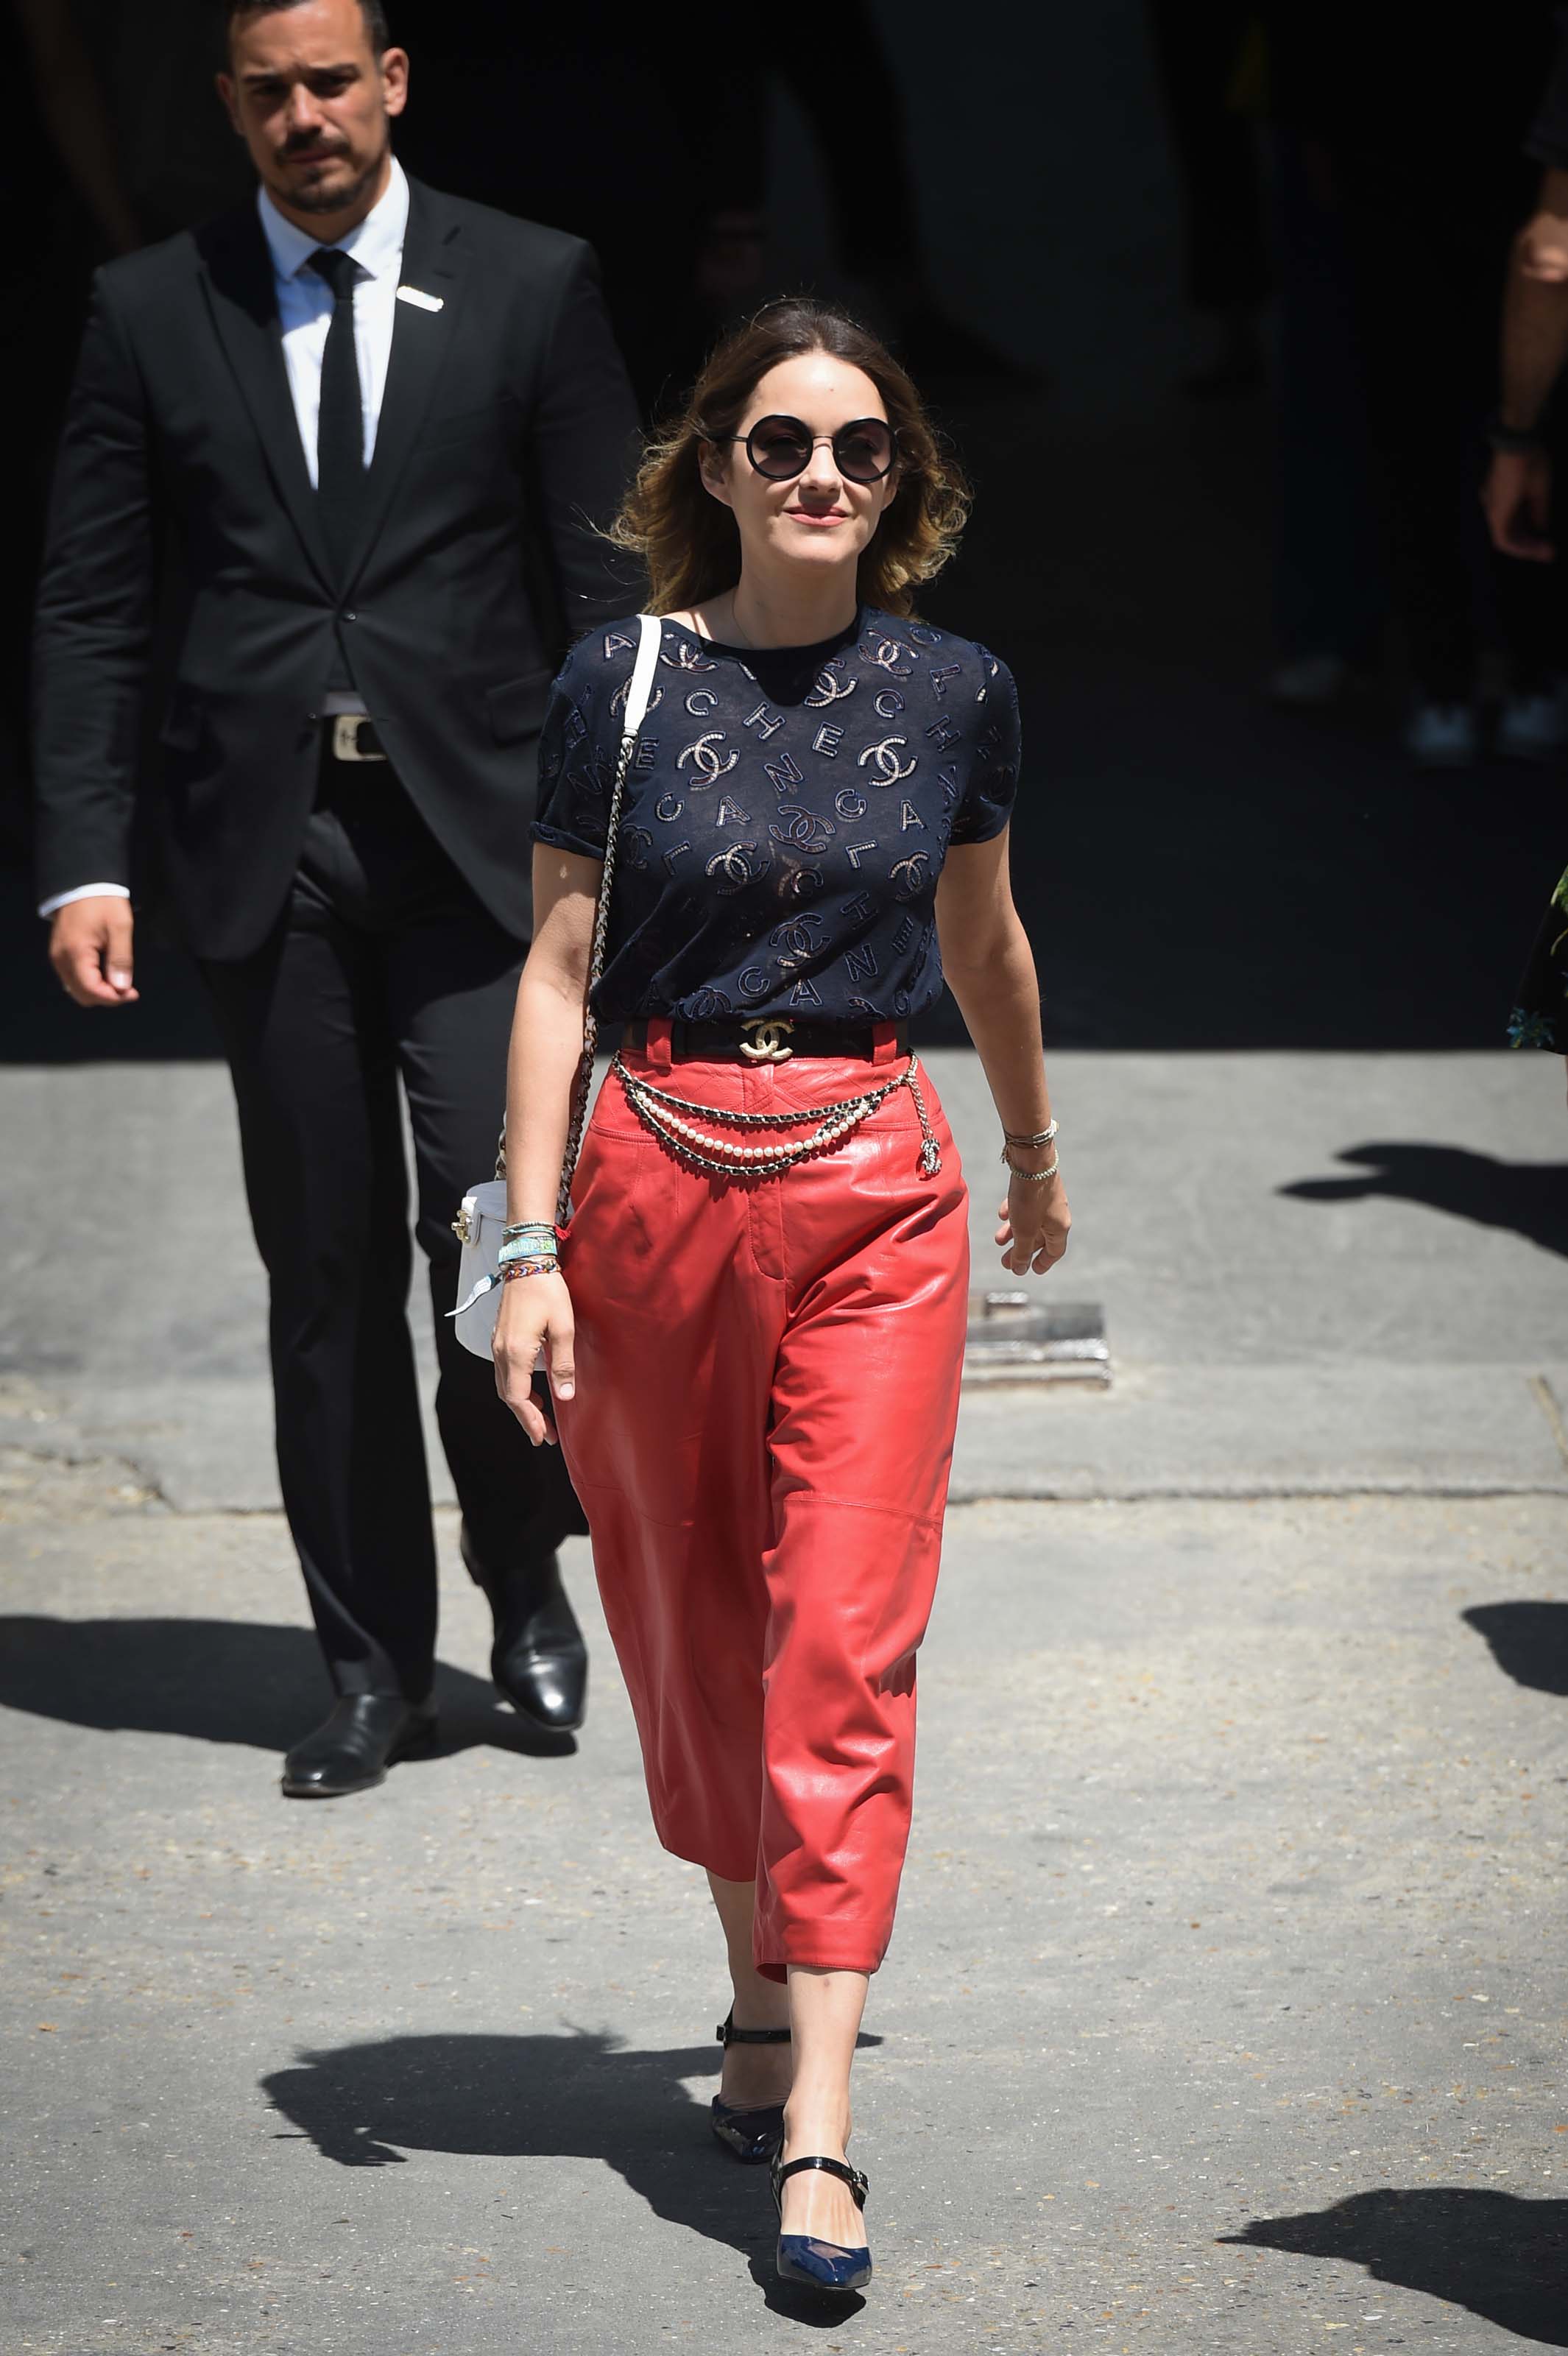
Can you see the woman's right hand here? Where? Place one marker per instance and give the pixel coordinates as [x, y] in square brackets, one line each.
[534, 1309]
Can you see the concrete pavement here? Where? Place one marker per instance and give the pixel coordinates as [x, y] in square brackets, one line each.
[1412, 1335]
[1226, 2006]
[1225, 2009]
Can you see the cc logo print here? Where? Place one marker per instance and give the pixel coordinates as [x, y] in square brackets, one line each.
[889, 657]
[795, 938]
[733, 868]
[830, 690]
[803, 828]
[709, 769]
[909, 874]
[889, 771]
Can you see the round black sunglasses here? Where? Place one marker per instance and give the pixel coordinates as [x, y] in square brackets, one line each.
[780, 447]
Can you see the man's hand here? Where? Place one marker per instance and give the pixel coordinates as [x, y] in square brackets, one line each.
[89, 948]
[1517, 498]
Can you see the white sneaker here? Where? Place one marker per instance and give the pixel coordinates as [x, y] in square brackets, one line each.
[1533, 727]
[1443, 736]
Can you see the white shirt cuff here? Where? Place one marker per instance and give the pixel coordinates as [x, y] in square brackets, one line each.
[84, 891]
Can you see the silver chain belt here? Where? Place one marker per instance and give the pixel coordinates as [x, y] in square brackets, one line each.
[671, 1119]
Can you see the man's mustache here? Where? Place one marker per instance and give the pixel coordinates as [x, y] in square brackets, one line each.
[303, 142]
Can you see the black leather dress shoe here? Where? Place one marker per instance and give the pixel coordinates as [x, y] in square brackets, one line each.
[538, 1659]
[352, 1750]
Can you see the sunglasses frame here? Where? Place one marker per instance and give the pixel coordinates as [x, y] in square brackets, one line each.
[782, 417]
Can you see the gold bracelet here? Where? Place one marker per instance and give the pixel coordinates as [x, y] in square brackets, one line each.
[1036, 1177]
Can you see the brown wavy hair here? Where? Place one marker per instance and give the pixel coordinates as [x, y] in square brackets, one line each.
[689, 539]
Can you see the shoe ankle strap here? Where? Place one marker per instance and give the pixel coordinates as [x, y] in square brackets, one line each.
[727, 2034]
[859, 2185]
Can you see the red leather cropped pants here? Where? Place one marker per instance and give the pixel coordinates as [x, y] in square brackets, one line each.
[767, 1385]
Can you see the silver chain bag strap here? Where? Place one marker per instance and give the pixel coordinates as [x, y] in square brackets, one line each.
[482, 1215]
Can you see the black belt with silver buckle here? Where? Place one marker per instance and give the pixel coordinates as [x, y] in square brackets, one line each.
[350, 736]
[768, 1039]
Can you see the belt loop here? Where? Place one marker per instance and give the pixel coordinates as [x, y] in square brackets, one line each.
[656, 1045]
[884, 1042]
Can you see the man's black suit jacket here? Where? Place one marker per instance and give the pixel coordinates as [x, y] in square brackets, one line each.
[505, 435]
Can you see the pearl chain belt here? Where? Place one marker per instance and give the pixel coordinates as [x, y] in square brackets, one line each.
[671, 1119]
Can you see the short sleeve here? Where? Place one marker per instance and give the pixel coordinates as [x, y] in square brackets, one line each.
[993, 781]
[574, 789]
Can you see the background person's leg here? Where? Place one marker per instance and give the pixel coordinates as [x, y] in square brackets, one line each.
[452, 984]
[315, 1082]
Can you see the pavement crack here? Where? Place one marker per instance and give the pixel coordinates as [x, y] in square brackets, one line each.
[1552, 1408]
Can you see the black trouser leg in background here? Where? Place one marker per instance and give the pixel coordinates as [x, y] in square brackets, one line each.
[383, 963]
[452, 1019]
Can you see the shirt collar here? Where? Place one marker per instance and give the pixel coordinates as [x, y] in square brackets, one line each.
[376, 244]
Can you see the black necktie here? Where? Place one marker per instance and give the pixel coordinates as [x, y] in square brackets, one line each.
[340, 433]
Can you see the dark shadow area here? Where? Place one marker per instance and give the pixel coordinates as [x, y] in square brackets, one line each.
[1529, 1643]
[1503, 2257]
[1529, 1197]
[1202, 865]
[219, 1681]
[581, 2096]
[1196, 868]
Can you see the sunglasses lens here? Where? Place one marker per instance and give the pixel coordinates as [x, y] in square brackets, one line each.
[779, 448]
[865, 450]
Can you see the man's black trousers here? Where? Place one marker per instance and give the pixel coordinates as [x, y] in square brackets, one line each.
[383, 966]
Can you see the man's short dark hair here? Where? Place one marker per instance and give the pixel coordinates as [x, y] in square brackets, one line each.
[235, 12]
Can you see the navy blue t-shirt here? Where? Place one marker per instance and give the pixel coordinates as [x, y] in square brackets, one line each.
[786, 816]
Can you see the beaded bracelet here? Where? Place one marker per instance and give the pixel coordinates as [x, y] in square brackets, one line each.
[1038, 1177]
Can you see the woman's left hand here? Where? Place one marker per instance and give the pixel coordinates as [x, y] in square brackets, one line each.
[1033, 1225]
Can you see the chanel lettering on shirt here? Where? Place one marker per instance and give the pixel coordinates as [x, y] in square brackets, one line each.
[786, 816]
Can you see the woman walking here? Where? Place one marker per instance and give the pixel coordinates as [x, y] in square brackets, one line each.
[754, 1319]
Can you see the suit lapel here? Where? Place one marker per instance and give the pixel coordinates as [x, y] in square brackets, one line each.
[243, 303]
[432, 262]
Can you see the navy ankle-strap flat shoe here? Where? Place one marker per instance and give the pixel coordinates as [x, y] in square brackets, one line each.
[814, 2265]
[752, 2135]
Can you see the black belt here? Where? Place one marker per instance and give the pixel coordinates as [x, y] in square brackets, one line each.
[768, 1039]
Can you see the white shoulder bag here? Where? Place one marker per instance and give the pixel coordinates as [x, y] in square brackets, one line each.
[482, 1215]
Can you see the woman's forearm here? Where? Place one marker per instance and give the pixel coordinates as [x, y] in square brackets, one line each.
[998, 997]
[541, 1065]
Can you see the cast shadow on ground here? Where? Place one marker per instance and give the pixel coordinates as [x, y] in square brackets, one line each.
[581, 2097]
[1530, 1197]
[1504, 2258]
[1529, 1642]
[218, 1681]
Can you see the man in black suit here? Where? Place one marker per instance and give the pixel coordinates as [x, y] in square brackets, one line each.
[348, 445]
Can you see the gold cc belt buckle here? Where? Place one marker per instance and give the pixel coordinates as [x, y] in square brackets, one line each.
[768, 1047]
